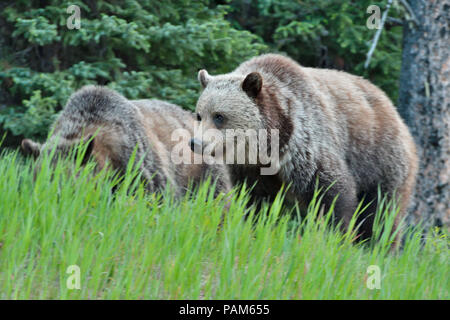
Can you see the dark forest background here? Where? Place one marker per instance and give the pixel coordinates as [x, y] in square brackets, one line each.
[153, 49]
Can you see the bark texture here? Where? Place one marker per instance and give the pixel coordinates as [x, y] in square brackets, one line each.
[425, 106]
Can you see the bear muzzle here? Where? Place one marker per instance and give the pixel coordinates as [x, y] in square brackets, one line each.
[196, 145]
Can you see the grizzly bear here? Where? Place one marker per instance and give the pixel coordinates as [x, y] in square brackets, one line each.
[334, 129]
[115, 126]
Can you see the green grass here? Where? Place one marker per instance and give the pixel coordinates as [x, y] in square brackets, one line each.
[131, 245]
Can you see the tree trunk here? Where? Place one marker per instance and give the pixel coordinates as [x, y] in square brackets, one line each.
[424, 104]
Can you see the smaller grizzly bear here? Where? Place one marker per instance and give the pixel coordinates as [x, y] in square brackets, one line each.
[117, 126]
[334, 128]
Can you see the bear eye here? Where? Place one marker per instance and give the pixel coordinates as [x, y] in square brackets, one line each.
[199, 118]
[218, 119]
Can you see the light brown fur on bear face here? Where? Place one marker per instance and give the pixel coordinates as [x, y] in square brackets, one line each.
[115, 125]
[223, 96]
[334, 127]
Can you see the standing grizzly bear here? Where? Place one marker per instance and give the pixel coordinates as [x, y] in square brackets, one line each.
[333, 128]
[117, 125]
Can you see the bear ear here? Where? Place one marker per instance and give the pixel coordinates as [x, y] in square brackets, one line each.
[30, 147]
[252, 84]
[204, 77]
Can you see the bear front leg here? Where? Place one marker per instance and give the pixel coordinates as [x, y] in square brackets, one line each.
[337, 183]
[220, 175]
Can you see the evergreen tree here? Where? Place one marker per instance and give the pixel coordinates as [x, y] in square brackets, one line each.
[143, 49]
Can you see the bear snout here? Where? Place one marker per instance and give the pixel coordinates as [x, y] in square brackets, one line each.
[196, 145]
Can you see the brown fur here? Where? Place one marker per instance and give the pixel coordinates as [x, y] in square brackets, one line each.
[334, 128]
[118, 125]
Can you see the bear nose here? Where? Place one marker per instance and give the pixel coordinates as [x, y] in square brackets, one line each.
[196, 145]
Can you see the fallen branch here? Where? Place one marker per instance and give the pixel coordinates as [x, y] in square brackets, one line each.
[410, 12]
[394, 22]
[377, 35]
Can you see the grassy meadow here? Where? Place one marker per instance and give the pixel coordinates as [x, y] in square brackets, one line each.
[131, 245]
